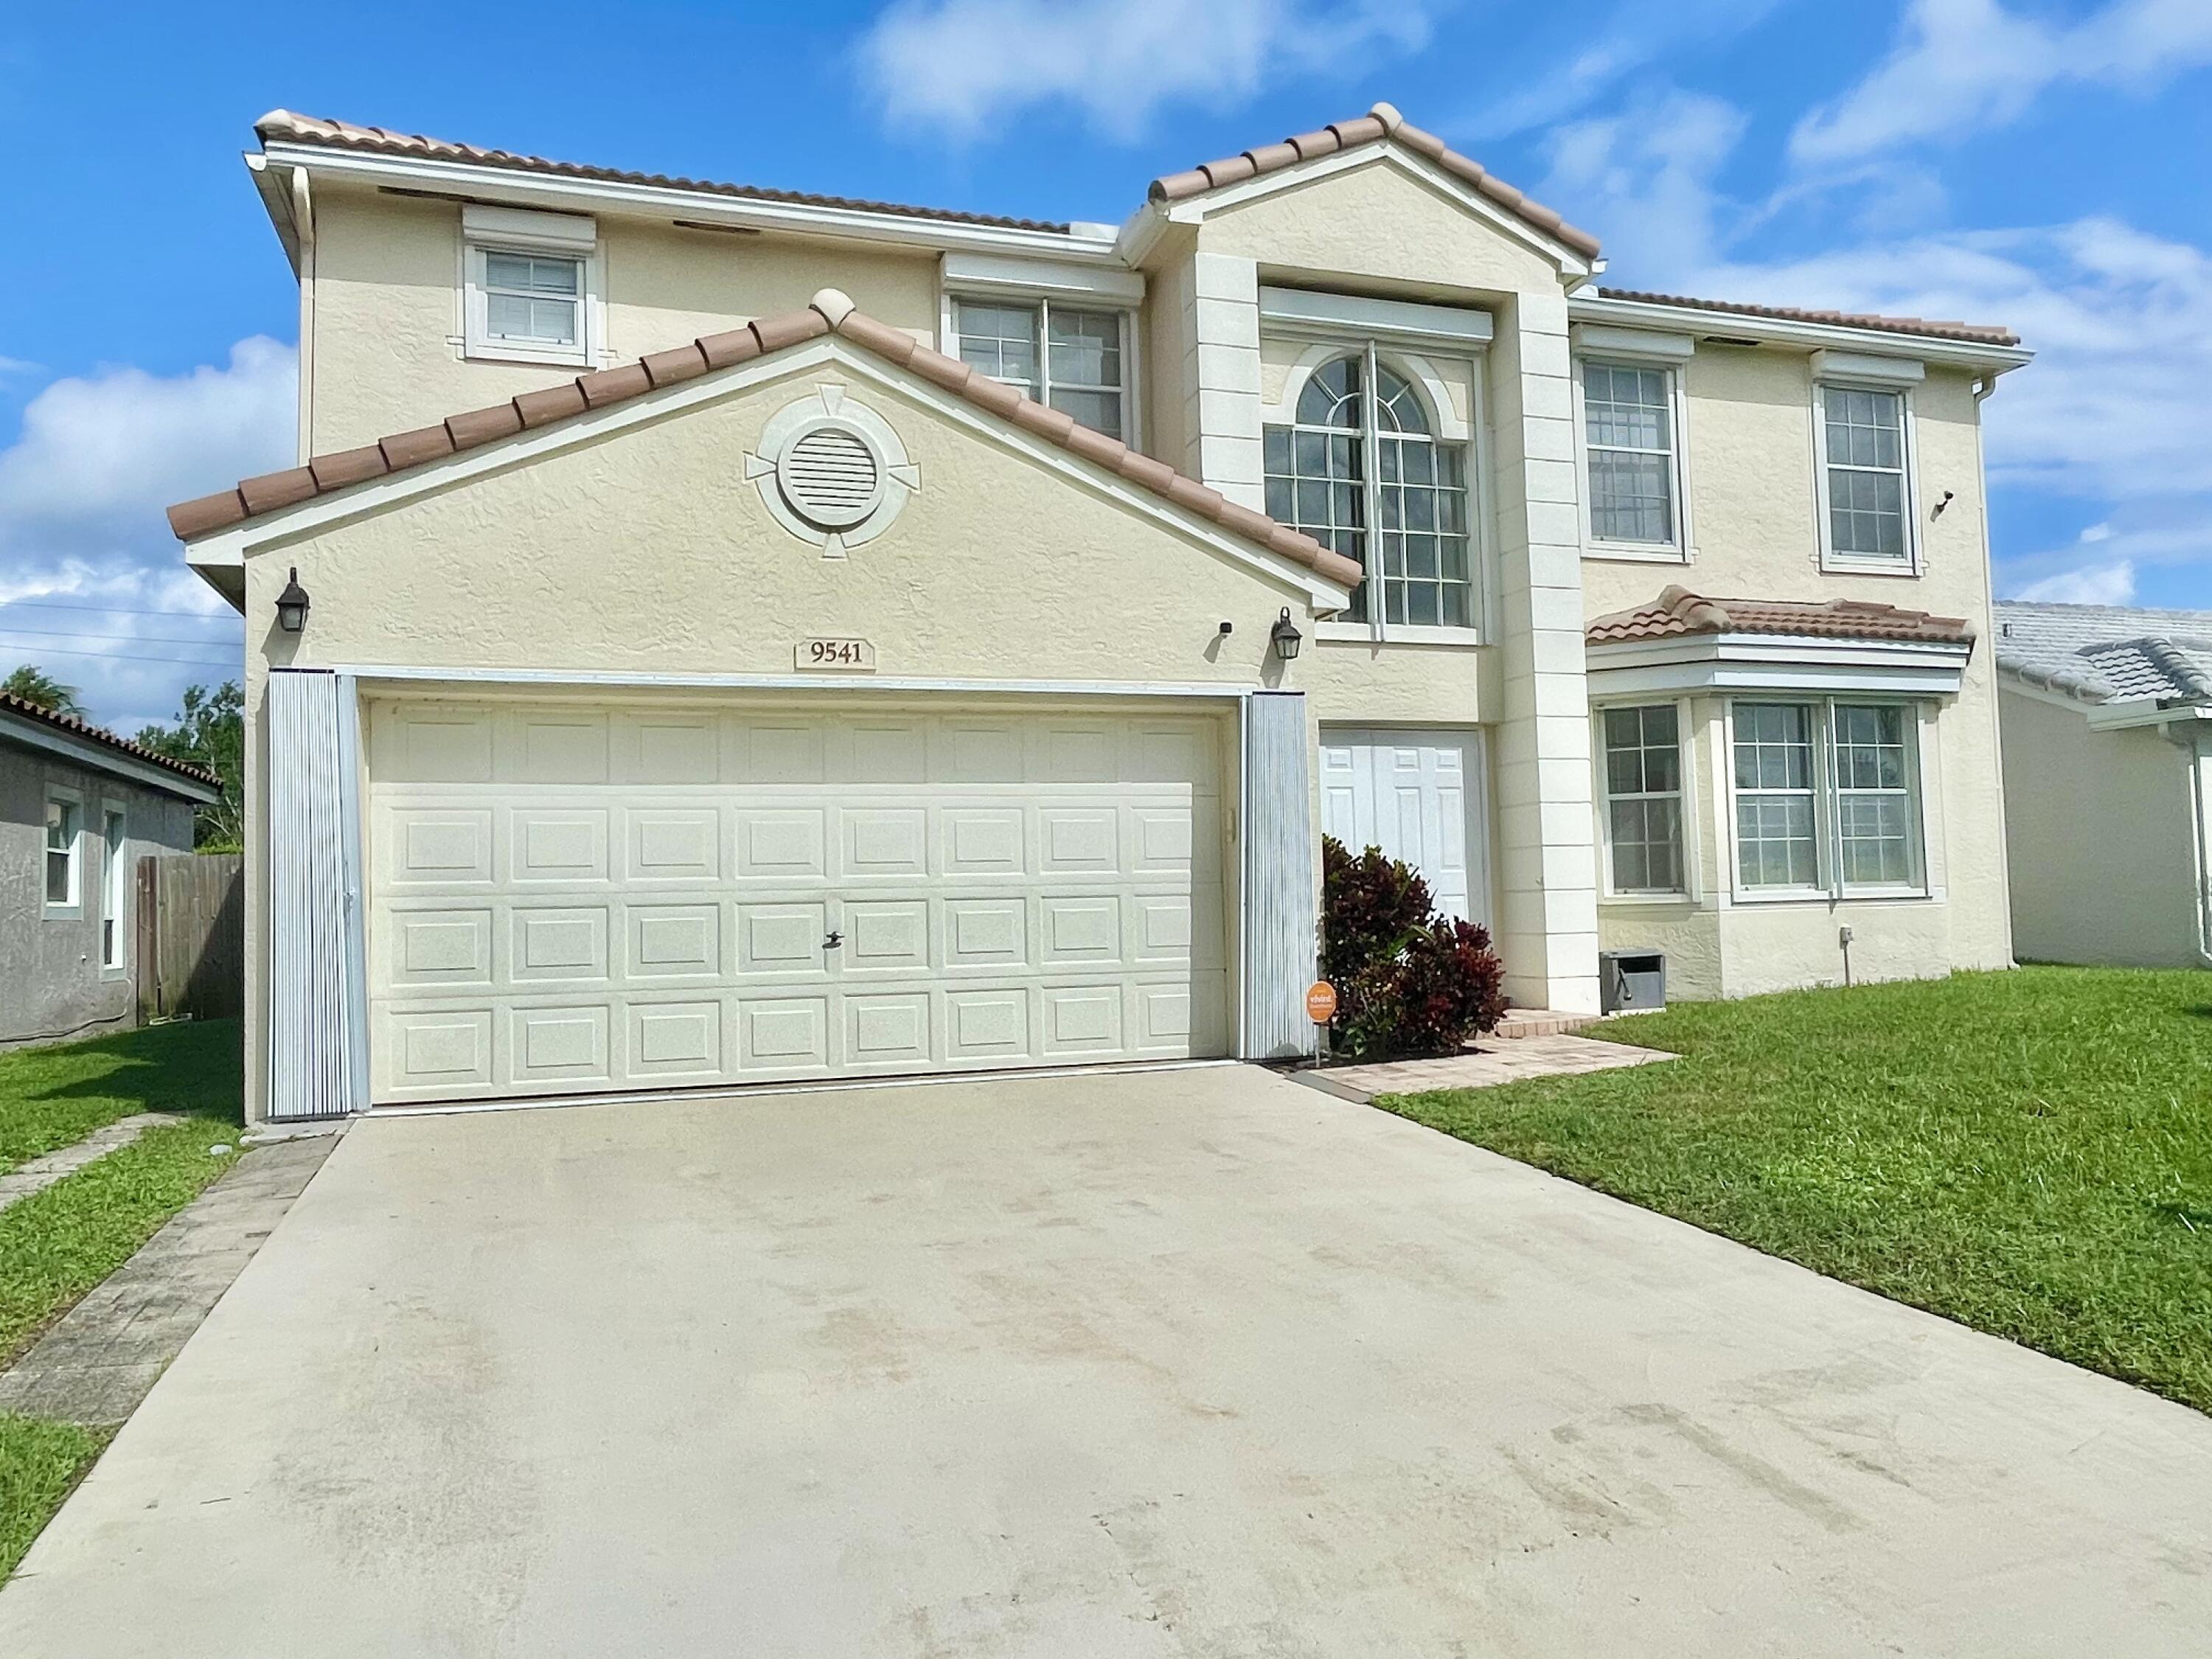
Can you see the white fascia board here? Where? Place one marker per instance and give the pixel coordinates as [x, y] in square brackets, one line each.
[98, 757]
[559, 194]
[1774, 662]
[239, 542]
[221, 565]
[274, 185]
[1695, 320]
[371, 674]
[1331, 316]
[1054, 279]
[1192, 209]
[2179, 719]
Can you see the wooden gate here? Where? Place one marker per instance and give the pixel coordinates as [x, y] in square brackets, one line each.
[191, 936]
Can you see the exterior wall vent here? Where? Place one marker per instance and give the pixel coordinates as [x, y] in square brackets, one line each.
[831, 471]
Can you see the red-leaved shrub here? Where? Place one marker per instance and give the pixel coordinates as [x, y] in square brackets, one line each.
[1408, 980]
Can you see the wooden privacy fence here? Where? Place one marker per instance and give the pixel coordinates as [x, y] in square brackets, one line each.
[191, 936]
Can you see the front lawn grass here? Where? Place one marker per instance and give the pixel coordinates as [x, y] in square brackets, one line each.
[40, 1464]
[2027, 1152]
[54, 1097]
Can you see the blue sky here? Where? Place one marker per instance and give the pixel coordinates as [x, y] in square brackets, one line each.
[2035, 164]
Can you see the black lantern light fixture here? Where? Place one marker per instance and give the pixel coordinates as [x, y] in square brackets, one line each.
[292, 604]
[1285, 635]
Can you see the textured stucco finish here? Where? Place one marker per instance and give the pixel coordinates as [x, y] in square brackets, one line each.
[386, 313]
[1178, 1364]
[2104, 859]
[52, 984]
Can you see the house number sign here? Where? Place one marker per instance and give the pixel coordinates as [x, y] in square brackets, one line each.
[854, 656]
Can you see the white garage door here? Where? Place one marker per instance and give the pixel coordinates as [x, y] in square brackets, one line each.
[1419, 796]
[568, 898]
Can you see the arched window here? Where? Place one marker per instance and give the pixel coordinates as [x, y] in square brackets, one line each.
[1361, 470]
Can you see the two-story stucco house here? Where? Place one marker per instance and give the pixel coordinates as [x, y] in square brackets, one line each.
[716, 635]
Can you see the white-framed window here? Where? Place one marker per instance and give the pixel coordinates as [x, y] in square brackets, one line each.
[1361, 469]
[529, 286]
[1865, 437]
[1826, 797]
[1631, 455]
[114, 890]
[1640, 798]
[64, 870]
[1072, 358]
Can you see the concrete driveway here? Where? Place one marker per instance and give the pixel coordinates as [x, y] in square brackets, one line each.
[1190, 1363]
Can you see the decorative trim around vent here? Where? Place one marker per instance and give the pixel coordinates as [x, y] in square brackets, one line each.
[832, 470]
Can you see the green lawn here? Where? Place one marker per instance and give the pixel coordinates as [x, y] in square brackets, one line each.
[2029, 1152]
[59, 1243]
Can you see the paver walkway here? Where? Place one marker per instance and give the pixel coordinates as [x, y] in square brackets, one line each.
[1497, 1059]
[40, 1173]
[97, 1364]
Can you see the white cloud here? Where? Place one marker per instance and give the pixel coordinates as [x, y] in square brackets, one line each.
[1646, 175]
[967, 65]
[2096, 532]
[2100, 584]
[1964, 65]
[81, 493]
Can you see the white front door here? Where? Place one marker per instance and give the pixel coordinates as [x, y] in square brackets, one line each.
[1419, 796]
[572, 896]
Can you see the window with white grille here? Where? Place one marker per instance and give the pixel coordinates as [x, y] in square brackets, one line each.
[1827, 798]
[1072, 358]
[1865, 452]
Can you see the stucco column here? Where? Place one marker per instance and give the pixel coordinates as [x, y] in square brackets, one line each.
[1547, 931]
[1221, 379]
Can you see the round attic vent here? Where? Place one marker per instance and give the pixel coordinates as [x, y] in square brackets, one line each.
[831, 477]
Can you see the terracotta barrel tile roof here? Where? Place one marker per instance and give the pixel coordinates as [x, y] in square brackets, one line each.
[830, 312]
[285, 126]
[1379, 124]
[107, 739]
[1973, 333]
[1678, 611]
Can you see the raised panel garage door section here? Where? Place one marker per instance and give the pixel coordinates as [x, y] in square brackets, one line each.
[567, 899]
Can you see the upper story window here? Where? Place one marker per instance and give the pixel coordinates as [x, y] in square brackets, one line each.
[528, 280]
[64, 825]
[1865, 488]
[1629, 440]
[1070, 358]
[1361, 470]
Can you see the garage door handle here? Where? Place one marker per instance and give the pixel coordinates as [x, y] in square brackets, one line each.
[832, 941]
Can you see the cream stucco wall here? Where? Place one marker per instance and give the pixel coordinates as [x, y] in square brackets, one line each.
[645, 551]
[2104, 861]
[385, 311]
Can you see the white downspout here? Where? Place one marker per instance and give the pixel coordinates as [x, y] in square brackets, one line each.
[2200, 792]
[303, 223]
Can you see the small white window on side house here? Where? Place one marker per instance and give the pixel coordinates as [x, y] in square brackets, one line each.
[114, 891]
[1640, 783]
[64, 852]
[1072, 358]
[529, 288]
[1863, 434]
[1630, 446]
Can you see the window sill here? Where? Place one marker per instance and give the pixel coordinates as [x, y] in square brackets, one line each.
[1821, 895]
[1637, 553]
[1358, 633]
[1834, 566]
[513, 354]
[1648, 902]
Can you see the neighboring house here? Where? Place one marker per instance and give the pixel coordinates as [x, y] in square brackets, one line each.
[719, 635]
[78, 808]
[2107, 720]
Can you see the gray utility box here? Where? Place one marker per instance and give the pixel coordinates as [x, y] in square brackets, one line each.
[1630, 980]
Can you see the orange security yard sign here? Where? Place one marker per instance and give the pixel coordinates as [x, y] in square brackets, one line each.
[1321, 1002]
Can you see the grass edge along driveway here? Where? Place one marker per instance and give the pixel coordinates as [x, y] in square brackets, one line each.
[59, 1243]
[2027, 1153]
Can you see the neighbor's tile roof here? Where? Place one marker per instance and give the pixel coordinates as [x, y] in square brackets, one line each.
[100, 734]
[1380, 124]
[1973, 333]
[1677, 610]
[2108, 654]
[830, 311]
[286, 126]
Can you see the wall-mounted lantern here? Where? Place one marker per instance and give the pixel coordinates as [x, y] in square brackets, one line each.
[292, 604]
[1285, 635]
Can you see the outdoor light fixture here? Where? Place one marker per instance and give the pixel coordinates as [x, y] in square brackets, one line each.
[292, 604]
[1285, 635]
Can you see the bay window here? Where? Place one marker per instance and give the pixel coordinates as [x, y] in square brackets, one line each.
[1070, 358]
[1361, 470]
[1826, 797]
